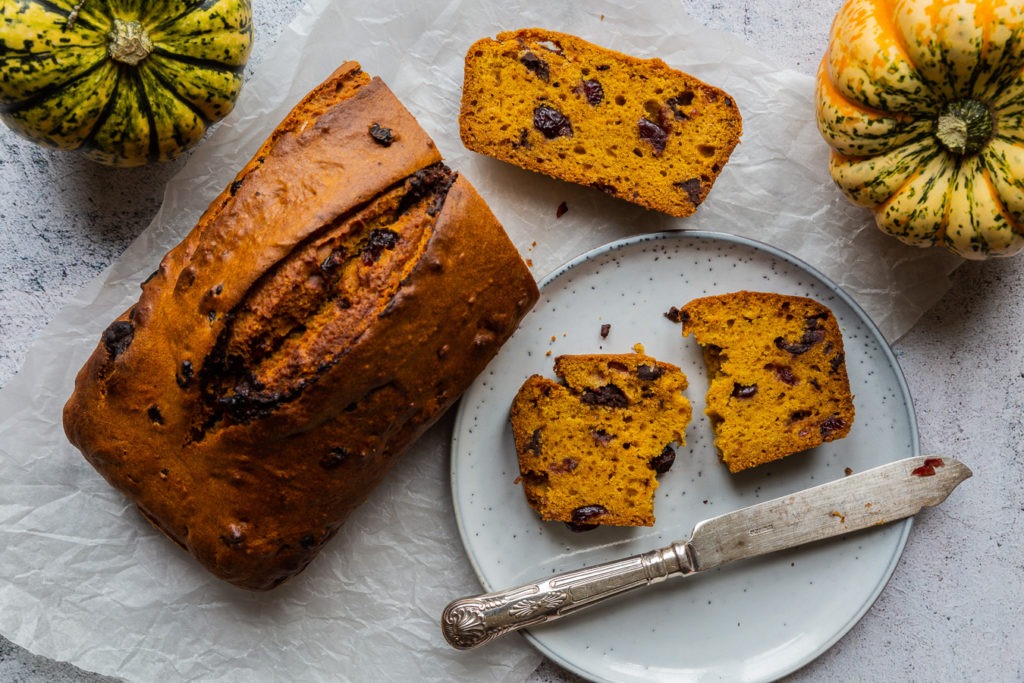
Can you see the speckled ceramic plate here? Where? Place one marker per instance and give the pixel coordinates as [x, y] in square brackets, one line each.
[752, 621]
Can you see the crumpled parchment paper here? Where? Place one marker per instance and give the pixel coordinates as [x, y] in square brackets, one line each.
[84, 579]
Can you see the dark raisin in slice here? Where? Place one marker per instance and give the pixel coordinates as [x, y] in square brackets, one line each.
[431, 182]
[692, 189]
[118, 337]
[534, 443]
[154, 415]
[803, 345]
[815, 321]
[649, 373]
[379, 240]
[813, 333]
[743, 390]
[592, 92]
[583, 517]
[381, 135]
[333, 260]
[551, 122]
[566, 466]
[653, 134]
[535, 64]
[836, 361]
[601, 437]
[663, 462]
[796, 348]
[830, 425]
[784, 374]
[683, 99]
[535, 479]
[609, 395]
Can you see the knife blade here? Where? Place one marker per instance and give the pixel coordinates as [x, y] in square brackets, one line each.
[877, 496]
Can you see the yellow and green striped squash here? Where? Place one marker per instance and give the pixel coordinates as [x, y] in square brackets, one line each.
[922, 103]
[125, 82]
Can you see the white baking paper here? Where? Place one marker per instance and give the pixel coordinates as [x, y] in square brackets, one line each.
[84, 579]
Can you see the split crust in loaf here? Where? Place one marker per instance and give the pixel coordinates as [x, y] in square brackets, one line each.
[332, 302]
[778, 383]
[634, 128]
[590, 447]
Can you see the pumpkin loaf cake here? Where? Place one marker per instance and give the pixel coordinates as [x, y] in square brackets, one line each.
[590, 448]
[328, 307]
[634, 128]
[777, 374]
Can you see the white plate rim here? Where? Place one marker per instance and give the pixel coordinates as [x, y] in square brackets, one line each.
[863, 318]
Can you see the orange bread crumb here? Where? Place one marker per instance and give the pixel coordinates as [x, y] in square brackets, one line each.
[590, 448]
[777, 374]
[634, 128]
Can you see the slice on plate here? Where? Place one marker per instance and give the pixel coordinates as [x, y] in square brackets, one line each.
[591, 446]
[777, 374]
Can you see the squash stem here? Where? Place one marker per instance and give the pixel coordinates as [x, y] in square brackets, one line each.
[128, 42]
[964, 127]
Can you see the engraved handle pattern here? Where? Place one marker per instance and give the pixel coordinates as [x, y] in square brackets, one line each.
[469, 622]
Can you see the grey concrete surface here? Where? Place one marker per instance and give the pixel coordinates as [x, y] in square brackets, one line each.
[952, 611]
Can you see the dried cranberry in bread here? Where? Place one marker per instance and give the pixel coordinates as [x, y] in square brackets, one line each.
[634, 128]
[328, 307]
[777, 374]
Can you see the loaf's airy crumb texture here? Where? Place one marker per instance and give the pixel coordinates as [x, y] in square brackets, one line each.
[634, 128]
[590, 448]
[330, 304]
[777, 374]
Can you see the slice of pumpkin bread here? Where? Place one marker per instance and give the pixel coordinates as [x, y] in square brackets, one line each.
[634, 128]
[590, 448]
[777, 374]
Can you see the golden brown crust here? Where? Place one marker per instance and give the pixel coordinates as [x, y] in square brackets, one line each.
[328, 307]
[634, 128]
[777, 374]
[590, 448]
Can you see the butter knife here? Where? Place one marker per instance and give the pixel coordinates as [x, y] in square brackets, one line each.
[877, 496]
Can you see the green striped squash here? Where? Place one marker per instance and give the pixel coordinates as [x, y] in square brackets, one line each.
[922, 103]
[124, 82]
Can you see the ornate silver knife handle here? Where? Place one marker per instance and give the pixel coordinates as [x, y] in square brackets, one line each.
[469, 622]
